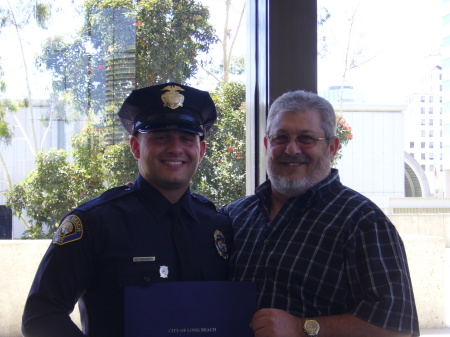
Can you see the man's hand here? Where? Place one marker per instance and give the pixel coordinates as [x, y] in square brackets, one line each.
[276, 323]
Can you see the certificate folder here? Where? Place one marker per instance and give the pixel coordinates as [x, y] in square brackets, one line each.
[190, 309]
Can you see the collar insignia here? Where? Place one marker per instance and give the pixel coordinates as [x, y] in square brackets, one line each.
[172, 98]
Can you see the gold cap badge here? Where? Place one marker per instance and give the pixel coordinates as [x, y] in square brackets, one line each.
[172, 98]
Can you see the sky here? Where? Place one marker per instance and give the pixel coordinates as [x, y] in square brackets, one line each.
[395, 37]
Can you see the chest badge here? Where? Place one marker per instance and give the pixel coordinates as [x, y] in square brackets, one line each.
[163, 271]
[221, 246]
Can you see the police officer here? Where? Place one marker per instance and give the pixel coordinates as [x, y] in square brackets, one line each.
[153, 231]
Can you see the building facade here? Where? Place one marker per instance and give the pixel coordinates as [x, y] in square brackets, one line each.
[423, 129]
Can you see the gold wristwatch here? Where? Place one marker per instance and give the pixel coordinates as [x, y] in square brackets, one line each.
[311, 327]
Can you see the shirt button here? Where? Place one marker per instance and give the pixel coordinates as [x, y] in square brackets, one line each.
[266, 242]
[146, 279]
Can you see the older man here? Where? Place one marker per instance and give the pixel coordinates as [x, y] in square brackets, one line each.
[325, 259]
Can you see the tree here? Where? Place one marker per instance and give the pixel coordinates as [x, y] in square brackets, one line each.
[165, 36]
[221, 175]
[26, 13]
[58, 185]
[229, 63]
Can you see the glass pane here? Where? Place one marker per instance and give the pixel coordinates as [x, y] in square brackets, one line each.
[66, 71]
[381, 64]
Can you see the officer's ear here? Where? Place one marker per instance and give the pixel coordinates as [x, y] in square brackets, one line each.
[134, 146]
[202, 149]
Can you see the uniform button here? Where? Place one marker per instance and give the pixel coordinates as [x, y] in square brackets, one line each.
[266, 242]
[146, 279]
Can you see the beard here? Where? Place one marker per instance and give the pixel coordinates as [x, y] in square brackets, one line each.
[292, 186]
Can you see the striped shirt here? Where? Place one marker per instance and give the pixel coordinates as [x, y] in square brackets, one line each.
[327, 252]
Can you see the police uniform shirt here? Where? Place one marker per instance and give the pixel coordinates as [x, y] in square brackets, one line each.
[120, 238]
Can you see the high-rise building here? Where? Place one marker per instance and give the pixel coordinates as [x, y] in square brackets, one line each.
[446, 95]
[423, 128]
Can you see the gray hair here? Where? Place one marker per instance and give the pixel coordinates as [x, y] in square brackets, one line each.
[300, 101]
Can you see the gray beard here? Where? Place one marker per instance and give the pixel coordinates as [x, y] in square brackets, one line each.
[290, 187]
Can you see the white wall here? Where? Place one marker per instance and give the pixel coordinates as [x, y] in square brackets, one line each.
[425, 239]
[372, 162]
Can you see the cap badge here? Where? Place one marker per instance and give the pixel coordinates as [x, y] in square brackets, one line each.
[164, 271]
[172, 98]
[221, 246]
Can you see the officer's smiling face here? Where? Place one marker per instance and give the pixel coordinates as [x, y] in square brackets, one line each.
[168, 159]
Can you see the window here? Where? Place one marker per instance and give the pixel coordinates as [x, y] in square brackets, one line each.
[430, 99]
[422, 110]
[422, 145]
[423, 167]
[430, 110]
[422, 133]
[430, 122]
[411, 145]
[422, 122]
[430, 133]
[412, 154]
[98, 70]
[422, 156]
[431, 168]
[422, 99]
[431, 156]
[430, 145]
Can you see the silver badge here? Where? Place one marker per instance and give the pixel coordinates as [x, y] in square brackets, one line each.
[164, 271]
[221, 246]
[172, 98]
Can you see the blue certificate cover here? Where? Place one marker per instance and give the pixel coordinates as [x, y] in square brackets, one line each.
[190, 309]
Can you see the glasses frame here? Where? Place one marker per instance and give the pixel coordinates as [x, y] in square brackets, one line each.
[297, 141]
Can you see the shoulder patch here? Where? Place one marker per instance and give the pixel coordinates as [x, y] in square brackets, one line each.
[71, 229]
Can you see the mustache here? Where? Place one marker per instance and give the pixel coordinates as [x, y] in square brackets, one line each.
[293, 159]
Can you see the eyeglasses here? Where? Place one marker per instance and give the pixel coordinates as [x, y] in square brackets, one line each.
[303, 141]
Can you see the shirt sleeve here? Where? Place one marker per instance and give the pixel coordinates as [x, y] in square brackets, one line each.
[61, 279]
[379, 276]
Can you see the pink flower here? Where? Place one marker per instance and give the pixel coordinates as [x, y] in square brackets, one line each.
[230, 149]
[349, 136]
[138, 24]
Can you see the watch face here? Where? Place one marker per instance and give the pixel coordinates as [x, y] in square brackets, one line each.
[311, 327]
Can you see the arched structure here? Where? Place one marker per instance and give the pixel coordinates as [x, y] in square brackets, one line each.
[416, 182]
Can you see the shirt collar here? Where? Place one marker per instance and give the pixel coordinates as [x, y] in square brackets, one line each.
[158, 204]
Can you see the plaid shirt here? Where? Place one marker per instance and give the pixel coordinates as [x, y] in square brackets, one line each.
[327, 252]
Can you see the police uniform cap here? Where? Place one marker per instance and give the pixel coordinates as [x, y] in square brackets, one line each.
[169, 106]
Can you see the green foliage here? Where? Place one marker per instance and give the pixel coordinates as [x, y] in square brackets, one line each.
[165, 36]
[6, 106]
[56, 185]
[221, 175]
[119, 165]
[47, 192]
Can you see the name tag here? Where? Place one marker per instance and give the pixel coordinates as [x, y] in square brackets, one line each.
[143, 259]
